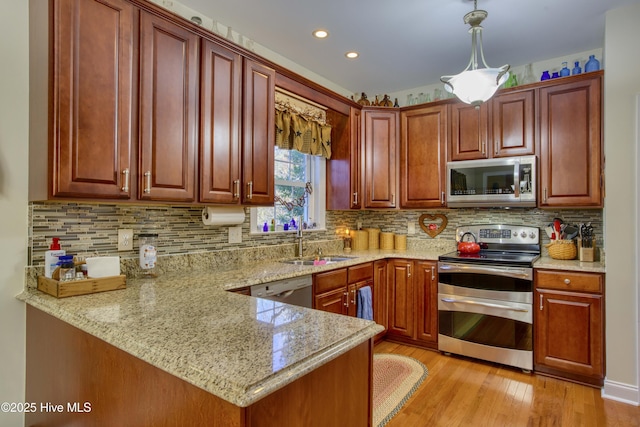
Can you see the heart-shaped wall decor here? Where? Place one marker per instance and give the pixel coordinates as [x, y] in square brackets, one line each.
[430, 226]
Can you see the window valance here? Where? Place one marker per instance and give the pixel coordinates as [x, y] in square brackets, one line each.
[301, 126]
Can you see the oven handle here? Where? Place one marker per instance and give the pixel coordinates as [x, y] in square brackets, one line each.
[484, 304]
[522, 273]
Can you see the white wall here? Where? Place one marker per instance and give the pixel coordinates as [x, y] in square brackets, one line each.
[14, 151]
[622, 86]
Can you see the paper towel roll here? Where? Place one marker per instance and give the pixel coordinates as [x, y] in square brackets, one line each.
[222, 215]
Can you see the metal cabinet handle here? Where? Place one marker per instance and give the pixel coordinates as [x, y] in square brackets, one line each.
[147, 182]
[125, 180]
[484, 147]
[236, 189]
[250, 192]
[442, 198]
[346, 299]
[408, 270]
[433, 274]
[541, 302]
[393, 199]
[355, 198]
[545, 194]
[567, 281]
[353, 300]
[484, 304]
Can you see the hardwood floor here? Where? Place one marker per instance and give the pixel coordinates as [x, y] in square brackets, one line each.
[461, 392]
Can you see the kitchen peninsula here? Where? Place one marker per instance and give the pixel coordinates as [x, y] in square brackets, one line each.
[245, 356]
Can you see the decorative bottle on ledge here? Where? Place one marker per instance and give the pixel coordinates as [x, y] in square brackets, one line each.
[592, 64]
[576, 69]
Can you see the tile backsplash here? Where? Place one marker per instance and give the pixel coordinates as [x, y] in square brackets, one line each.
[86, 228]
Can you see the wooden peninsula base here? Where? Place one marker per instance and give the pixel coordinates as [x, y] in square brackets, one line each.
[66, 366]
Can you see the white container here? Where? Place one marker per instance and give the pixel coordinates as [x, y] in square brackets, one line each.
[51, 257]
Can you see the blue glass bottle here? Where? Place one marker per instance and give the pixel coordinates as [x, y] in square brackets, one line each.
[576, 69]
[555, 75]
[592, 64]
[545, 76]
[564, 72]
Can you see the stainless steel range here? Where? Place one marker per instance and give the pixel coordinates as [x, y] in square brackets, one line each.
[485, 300]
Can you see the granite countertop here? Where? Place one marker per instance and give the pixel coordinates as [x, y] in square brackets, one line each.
[236, 347]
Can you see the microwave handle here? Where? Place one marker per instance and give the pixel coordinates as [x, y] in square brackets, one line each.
[516, 180]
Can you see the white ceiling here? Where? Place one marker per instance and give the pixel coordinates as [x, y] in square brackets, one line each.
[405, 44]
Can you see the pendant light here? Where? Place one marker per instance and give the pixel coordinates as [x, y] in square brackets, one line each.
[476, 85]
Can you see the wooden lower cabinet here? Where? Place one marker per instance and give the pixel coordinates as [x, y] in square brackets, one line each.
[65, 364]
[569, 325]
[336, 291]
[412, 288]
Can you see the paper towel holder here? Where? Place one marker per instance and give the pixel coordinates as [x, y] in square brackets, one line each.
[223, 215]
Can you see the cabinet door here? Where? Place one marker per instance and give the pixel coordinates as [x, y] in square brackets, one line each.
[220, 100]
[400, 298]
[355, 175]
[380, 293]
[513, 124]
[426, 285]
[569, 334]
[343, 169]
[380, 140]
[469, 131]
[570, 143]
[93, 98]
[423, 143]
[333, 301]
[168, 110]
[258, 135]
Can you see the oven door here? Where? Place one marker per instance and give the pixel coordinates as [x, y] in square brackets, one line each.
[486, 329]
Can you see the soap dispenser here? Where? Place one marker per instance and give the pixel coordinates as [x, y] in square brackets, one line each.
[51, 257]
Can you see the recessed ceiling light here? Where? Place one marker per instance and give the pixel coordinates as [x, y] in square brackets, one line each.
[352, 55]
[320, 34]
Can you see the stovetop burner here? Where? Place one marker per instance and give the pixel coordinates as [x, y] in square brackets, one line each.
[511, 245]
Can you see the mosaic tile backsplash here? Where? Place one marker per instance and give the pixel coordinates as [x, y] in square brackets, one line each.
[92, 229]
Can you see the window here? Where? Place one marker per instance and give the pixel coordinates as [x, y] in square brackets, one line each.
[295, 175]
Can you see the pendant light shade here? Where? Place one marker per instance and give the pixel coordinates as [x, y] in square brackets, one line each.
[476, 85]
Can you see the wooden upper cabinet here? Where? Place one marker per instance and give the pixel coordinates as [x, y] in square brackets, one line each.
[513, 123]
[93, 90]
[469, 131]
[220, 121]
[423, 142]
[380, 162]
[168, 110]
[355, 173]
[258, 134]
[343, 169]
[571, 142]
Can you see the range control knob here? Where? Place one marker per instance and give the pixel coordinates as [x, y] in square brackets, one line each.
[515, 234]
[532, 235]
[523, 234]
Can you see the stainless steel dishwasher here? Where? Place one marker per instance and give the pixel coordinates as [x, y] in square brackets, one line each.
[296, 291]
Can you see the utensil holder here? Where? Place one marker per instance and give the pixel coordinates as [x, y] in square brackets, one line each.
[587, 250]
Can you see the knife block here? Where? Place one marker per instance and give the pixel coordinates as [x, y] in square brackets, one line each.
[587, 253]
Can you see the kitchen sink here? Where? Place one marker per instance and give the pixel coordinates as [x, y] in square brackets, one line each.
[317, 260]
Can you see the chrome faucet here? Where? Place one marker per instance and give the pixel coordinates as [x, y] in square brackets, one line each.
[299, 239]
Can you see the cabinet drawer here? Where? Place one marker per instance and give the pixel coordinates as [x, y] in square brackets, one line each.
[361, 272]
[330, 280]
[569, 281]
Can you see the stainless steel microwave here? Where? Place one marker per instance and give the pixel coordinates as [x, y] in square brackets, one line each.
[503, 182]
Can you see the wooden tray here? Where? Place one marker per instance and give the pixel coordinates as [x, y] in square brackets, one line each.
[81, 287]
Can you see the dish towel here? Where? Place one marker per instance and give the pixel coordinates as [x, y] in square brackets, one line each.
[365, 307]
